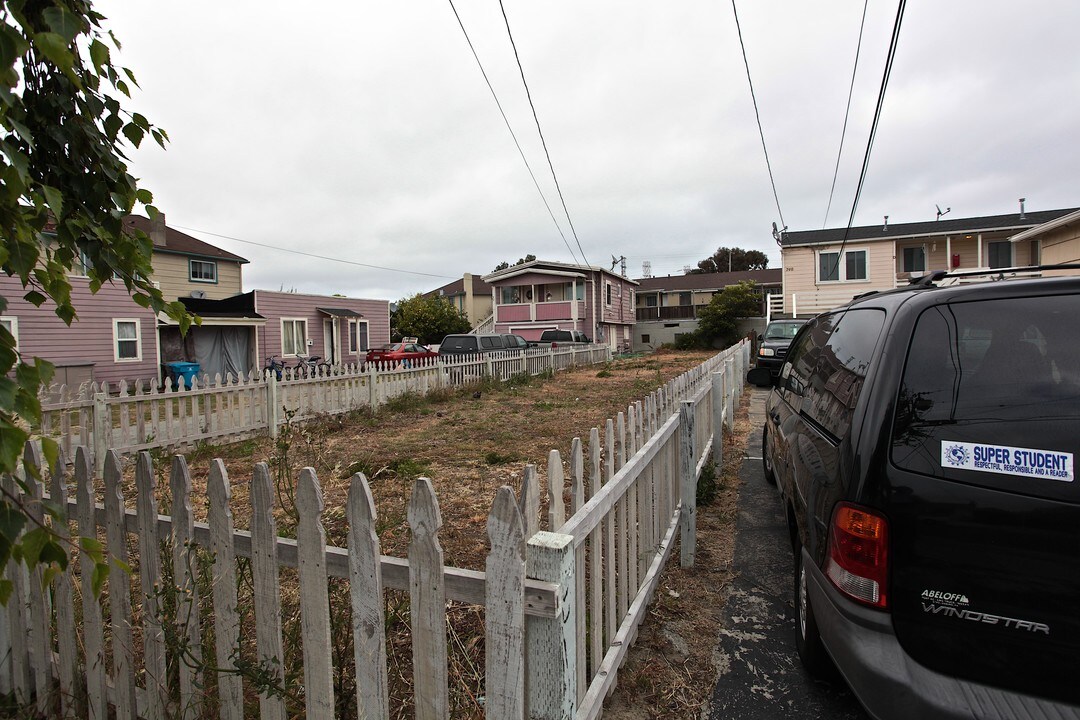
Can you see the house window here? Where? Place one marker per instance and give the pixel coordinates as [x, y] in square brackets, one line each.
[833, 268]
[684, 298]
[914, 259]
[293, 336]
[608, 293]
[11, 324]
[357, 336]
[645, 338]
[580, 293]
[650, 301]
[999, 254]
[127, 340]
[202, 271]
[1035, 258]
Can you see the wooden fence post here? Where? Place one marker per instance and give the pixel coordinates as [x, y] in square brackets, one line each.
[123, 655]
[266, 592]
[427, 605]
[314, 599]
[63, 595]
[226, 618]
[718, 419]
[156, 680]
[273, 404]
[102, 431]
[505, 610]
[729, 392]
[688, 469]
[366, 592]
[552, 642]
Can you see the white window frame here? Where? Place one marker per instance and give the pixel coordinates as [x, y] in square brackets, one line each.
[607, 293]
[191, 271]
[841, 272]
[354, 338]
[13, 327]
[117, 340]
[303, 341]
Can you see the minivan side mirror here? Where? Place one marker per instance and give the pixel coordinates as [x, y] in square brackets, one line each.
[761, 377]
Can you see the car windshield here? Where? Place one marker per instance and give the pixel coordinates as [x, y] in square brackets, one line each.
[782, 331]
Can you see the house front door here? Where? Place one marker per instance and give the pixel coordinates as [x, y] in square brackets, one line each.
[331, 341]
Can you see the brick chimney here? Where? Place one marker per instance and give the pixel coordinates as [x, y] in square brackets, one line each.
[157, 230]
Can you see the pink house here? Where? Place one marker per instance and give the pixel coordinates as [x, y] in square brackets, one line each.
[541, 295]
[112, 338]
[339, 329]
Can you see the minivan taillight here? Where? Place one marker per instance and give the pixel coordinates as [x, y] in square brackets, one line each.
[858, 562]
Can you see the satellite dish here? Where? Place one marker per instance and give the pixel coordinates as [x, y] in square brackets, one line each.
[198, 294]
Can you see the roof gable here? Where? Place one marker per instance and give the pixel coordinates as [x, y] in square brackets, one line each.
[180, 243]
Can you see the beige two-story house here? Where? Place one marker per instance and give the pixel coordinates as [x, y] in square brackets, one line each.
[822, 269]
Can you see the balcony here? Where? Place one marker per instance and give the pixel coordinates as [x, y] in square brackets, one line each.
[538, 312]
[670, 312]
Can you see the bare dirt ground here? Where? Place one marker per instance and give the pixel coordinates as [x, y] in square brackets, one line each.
[471, 442]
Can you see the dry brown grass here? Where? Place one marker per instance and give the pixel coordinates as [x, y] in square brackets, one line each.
[469, 446]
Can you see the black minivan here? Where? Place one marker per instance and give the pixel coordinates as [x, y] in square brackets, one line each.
[923, 441]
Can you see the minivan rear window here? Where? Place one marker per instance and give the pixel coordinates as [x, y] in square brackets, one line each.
[457, 343]
[992, 378]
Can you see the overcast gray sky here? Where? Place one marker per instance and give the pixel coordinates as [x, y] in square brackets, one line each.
[364, 131]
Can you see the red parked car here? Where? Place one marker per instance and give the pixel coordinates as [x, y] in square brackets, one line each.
[403, 353]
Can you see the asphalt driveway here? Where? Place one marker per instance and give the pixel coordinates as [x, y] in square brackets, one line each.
[761, 676]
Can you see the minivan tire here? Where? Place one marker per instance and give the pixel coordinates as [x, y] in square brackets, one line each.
[766, 460]
[812, 651]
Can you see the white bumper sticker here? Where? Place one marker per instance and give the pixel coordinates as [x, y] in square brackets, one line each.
[1006, 460]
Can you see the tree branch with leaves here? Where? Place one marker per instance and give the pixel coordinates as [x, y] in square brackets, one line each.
[66, 190]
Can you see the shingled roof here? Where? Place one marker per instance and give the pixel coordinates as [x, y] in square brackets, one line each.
[991, 223]
[180, 243]
[710, 281]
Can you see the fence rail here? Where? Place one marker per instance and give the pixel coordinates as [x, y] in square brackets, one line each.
[565, 601]
[131, 418]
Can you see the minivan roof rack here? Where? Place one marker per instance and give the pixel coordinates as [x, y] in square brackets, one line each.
[935, 276]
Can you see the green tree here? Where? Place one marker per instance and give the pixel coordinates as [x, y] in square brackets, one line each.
[733, 259]
[521, 261]
[65, 192]
[427, 318]
[717, 322]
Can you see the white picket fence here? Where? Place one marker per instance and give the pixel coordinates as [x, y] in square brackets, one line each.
[565, 602]
[130, 418]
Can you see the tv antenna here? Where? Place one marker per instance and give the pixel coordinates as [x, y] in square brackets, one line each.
[941, 212]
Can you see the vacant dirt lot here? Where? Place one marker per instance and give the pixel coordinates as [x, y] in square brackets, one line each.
[470, 442]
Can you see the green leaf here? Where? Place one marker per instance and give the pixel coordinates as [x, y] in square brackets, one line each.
[12, 439]
[53, 554]
[55, 48]
[12, 45]
[92, 547]
[35, 298]
[51, 573]
[144, 196]
[12, 521]
[122, 565]
[62, 22]
[99, 54]
[51, 450]
[55, 199]
[134, 133]
[33, 543]
[97, 579]
[141, 299]
[6, 586]
[22, 131]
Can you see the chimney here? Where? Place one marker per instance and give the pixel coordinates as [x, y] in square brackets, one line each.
[1022, 216]
[886, 227]
[157, 230]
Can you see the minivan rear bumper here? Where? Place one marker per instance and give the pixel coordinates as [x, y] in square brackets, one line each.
[889, 683]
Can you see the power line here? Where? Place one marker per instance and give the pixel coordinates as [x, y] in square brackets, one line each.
[312, 255]
[847, 113]
[507, 122]
[757, 115]
[543, 142]
[874, 125]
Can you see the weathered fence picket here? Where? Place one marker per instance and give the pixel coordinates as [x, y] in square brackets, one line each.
[226, 618]
[427, 597]
[505, 618]
[366, 592]
[266, 591]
